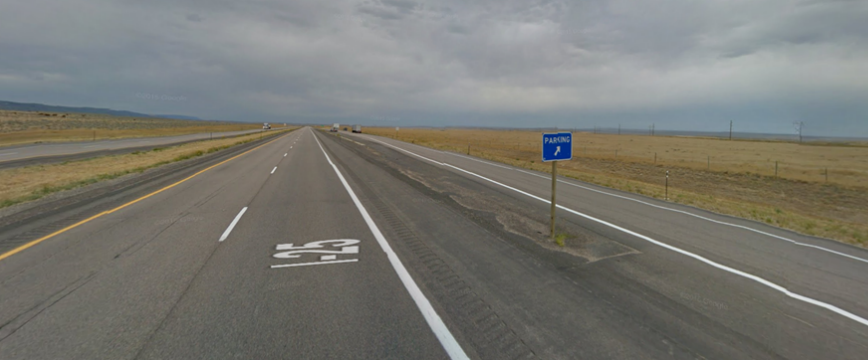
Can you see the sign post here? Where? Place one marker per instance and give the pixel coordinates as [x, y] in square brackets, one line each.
[554, 194]
[555, 147]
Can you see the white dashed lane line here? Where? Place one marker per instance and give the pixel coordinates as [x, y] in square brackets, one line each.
[232, 225]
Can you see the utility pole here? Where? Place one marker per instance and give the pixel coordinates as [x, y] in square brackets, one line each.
[730, 130]
[799, 125]
[801, 128]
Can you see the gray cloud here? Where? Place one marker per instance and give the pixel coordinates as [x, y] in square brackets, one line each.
[194, 18]
[402, 5]
[679, 64]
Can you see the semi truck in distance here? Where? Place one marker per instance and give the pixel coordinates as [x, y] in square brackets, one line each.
[357, 129]
[335, 127]
[266, 126]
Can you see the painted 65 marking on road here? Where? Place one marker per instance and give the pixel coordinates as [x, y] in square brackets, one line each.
[344, 246]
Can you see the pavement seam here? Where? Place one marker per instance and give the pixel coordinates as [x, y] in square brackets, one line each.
[37, 309]
[175, 305]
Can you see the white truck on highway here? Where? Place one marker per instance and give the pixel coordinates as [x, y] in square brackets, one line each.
[335, 127]
[357, 129]
[266, 126]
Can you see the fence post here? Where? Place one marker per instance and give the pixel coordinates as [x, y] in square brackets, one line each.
[827, 174]
[709, 162]
[655, 158]
[667, 186]
[776, 168]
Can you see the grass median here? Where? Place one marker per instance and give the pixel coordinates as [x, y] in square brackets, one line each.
[742, 181]
[28, 127]
[30, 183]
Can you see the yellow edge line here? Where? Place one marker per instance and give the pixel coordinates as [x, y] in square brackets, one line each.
[70, 227]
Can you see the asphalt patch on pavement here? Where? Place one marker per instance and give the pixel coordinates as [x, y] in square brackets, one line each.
[490, 336]
[496, 211]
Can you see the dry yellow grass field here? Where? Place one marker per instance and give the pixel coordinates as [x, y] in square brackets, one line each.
[22, 127]
[731, 177]
[32, 182]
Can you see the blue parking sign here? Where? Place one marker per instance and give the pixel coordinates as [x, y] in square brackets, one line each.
[557, 146]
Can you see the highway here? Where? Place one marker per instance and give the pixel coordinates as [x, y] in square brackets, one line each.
[313, 246]
[20, 155]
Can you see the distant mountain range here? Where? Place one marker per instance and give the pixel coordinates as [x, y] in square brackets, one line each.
[16, 106]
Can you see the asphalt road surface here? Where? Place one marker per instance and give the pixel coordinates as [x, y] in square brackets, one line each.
[313, 246]
[20, 155]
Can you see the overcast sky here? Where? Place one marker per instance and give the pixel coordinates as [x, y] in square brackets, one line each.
[682, 64]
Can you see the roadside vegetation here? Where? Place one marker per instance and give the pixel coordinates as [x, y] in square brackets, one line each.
[819, 189]
[18, 185]
[23, 127]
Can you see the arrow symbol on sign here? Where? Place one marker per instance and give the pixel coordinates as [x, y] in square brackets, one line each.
[558, 150]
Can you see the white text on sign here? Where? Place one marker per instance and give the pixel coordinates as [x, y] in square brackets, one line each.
[563, 139]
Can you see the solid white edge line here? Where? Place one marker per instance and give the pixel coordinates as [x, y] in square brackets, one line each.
[232, 225]
[273, 170]
[746, 275]
[447, 340]
[794, 242]
[705, 218]
[723, 223]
